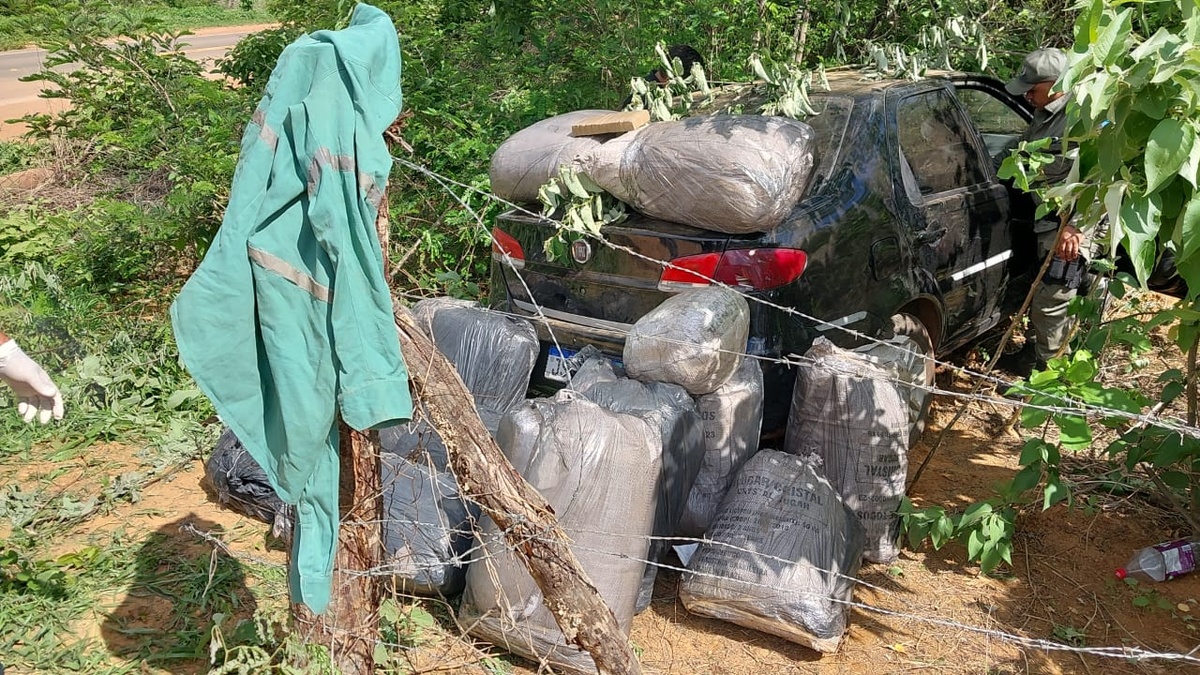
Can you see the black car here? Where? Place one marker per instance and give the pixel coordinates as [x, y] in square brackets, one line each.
[904, 227]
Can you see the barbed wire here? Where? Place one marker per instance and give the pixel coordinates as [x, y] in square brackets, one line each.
[389, 570]
[1072, 406]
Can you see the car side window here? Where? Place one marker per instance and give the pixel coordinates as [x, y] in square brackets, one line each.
[990, 114]
[936, 142]
[999, 125]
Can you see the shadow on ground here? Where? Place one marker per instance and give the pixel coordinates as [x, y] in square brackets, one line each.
[180, 583]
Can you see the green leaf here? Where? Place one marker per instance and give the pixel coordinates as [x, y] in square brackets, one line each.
[380, 654]
[975, 545]
[1140, 218]
[941, 532]
[1043, 377]
[1033, 452]
[1112, 206]
[917, 532]
[180, 397]
[1081, 371]
[1189, 228]
[1055, 492]
[1110, 44]
[421, 619]
[1074, 432]
[1168, 148]
[974, 513]
[1026, 479]
[1033, 417]
[1175, 479]
[1171, 391]
[1141, 601]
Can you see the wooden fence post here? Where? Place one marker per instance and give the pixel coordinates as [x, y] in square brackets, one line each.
[350, 626]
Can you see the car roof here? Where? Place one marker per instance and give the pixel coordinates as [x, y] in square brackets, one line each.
[850, 81]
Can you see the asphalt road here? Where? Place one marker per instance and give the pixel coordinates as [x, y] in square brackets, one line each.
[19, 98]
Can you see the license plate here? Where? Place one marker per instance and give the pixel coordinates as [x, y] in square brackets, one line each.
[558, 367]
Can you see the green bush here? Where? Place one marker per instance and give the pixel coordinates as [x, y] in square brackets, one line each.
[251, 60]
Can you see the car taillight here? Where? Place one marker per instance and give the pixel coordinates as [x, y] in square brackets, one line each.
[756, 268]
[505, 245]
[692, 270]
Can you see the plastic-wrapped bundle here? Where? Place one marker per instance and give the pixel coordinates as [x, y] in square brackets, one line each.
[417, 441]
[901, 357]
[849, 412]
[530, 157]
[423, 311]
[733, 174]
[731, 418]
[694, 339]
[242, 485]
[670, 409]
[780, 556]
[492, 352]
[599, 471]
[427, 527]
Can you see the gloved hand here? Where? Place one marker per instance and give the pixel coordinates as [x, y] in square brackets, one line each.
[36, 394]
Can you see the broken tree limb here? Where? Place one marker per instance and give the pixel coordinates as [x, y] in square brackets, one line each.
[485, 476]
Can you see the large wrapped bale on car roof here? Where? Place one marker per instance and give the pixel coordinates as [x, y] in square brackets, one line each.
[731, 418]
[781, 555]
[694, 339]
[427, 530]
[728, 173]
[599, 471]
[850, 411]
[530, 157]
[494, 353]
[668, 408]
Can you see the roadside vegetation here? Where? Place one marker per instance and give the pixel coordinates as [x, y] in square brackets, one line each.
[25, 23]
[143, 160]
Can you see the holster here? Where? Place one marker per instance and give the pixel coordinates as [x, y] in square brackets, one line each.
[1067, 274]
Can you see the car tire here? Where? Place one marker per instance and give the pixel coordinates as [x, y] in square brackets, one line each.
[909, 326]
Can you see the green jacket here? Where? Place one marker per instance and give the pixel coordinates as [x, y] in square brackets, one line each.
[288, 319]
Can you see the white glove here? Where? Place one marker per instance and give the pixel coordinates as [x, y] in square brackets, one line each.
[36, 394]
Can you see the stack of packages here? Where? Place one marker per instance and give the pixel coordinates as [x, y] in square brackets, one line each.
[782, 553]
[427, 525]
[780, 550]
[780, 556]
[620, 501]
[851, 412]
[427, 532]
[733, 174]
[668, 408]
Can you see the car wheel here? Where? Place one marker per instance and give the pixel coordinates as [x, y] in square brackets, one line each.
[921, 372]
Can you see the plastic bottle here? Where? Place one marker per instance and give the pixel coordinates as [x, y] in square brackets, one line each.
[1162, 562]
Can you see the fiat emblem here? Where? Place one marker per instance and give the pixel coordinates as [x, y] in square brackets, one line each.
[581, 251]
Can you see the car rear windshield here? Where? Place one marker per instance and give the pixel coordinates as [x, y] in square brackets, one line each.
[833, 112]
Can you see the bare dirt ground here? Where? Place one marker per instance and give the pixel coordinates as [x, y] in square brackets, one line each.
[930, 612]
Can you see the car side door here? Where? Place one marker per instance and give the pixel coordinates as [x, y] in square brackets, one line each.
[956, 206]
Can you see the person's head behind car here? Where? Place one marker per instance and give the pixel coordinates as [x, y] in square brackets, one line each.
[1039, 71]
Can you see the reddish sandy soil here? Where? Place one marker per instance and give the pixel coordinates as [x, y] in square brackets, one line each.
[941, 614]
